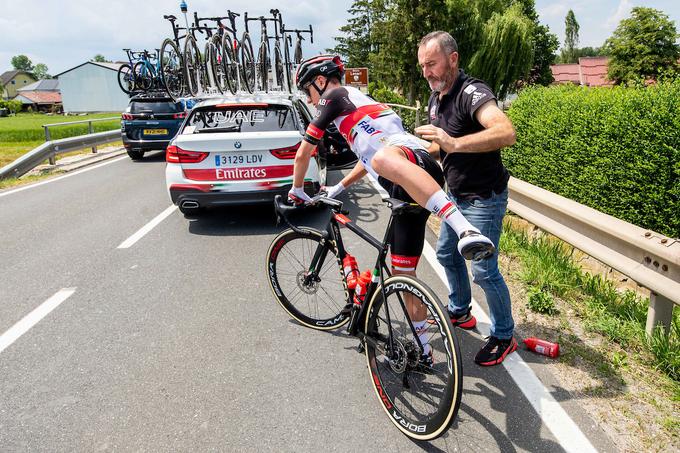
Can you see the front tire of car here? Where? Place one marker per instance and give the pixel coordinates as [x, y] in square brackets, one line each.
[135, 154]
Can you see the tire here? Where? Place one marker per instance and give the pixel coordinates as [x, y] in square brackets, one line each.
[216, 67]
[135, 154]
[192, 66]
[289, 66]
[143, 78]
[262, 67]
[319, 303]
[278, 68]
[229, 64]
[422, 401]
[247, 64]
[126, 79]
[297, 58]
[172, 71]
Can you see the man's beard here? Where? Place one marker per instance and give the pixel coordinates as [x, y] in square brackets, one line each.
[440, 84]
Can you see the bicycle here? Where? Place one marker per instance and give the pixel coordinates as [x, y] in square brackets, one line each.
[304, 269]
[263, 62]
[172, 63]
[147, 70]
[130, 74]
[195, 64]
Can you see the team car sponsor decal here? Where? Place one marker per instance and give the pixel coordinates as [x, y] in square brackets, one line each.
[239, 116]
[238, 174]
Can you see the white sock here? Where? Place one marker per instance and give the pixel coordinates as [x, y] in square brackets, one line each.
[424, 337]
[443, 207]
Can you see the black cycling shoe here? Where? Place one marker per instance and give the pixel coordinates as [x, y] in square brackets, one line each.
[425, 364]
[475, 246]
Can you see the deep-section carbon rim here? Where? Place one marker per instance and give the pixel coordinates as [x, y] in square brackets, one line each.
[421, 398]
[315, 299]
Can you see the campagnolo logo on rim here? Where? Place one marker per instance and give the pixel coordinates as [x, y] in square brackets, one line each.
[237, 145]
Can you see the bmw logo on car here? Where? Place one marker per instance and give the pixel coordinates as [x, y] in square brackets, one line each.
[237, 145]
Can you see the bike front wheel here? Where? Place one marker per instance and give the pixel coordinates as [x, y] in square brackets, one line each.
[172, 72]
[126, 78]
[314, 294]
[415, 368]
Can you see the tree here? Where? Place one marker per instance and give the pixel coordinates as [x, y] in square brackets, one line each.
[22, 63]
[569, 52]
[99, 58]
[642, 46]
[40, 72]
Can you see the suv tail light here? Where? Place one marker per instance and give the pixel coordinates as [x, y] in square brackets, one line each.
[177, 155]
[126, 116]
[285, 153]
[179, 115]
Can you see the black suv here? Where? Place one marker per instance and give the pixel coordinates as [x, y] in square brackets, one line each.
[150, 122]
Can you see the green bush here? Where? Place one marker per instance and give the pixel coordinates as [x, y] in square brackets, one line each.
[541, 302]
[383, 94]
[12, 106]
[616, 150]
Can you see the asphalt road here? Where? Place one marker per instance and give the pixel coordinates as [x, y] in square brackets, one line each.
[176, 343]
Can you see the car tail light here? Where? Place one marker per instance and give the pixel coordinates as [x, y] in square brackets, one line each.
[285, 153]
[177, 155]
[179, 115]
[126, 116]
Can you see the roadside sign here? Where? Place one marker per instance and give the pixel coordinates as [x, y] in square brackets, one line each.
[357, 77]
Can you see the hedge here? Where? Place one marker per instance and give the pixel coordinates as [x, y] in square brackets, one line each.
[616, 150]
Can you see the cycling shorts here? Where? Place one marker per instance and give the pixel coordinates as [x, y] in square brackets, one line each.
[408, 233]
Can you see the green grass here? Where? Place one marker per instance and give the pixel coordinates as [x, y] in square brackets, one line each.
[548, 271]
[23, 132]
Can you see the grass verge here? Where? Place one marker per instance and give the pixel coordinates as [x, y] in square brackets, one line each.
[633, 379]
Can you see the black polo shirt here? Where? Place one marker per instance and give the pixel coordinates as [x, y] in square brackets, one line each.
[469, 175]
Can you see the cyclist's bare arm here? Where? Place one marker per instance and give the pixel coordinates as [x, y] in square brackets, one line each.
[304, 153]
[353, 176]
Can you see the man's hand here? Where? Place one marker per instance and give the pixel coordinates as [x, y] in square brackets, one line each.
[333, 191]
[298, 196]
[437, 135]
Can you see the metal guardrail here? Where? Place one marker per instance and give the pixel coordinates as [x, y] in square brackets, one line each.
[649, 258]
[33, 158]
[68, 123]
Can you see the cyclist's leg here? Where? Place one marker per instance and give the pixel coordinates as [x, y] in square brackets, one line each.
[392, 163]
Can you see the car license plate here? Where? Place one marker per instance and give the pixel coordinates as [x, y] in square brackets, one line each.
[155, 131]
[222, 160]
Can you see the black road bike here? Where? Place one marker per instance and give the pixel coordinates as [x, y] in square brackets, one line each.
[172, 61]
[420, 394]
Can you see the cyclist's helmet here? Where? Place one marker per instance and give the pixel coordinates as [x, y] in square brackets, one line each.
[326, 65]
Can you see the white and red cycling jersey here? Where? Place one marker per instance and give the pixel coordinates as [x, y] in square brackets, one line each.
[367, 125]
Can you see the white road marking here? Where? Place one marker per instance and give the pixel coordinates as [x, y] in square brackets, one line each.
[34, 317]
[19, 189]
[568, 434]
[129, 242]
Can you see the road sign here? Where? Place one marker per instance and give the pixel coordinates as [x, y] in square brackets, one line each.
[357, 77]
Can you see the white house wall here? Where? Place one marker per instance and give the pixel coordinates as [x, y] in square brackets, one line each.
[91, 88]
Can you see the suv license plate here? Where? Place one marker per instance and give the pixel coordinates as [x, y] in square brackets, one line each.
[238, 159]
[155, 131]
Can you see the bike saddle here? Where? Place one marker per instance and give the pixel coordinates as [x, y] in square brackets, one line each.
[399, 206]
[170, 17]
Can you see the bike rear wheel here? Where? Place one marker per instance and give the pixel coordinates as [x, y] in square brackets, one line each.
[421, 396]
[193, 66]
[126, 79]
[263, 67]
[143, 76]
[278, 68]
[217, 72]
[230, 62]
[248, 63]
[314, 297]
[172, 73]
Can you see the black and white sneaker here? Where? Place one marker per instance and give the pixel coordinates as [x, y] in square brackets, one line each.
[474, 246]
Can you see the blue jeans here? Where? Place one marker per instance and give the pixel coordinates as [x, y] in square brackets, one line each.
[487, 215]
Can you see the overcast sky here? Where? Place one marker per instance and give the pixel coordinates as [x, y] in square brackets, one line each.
[65, 33]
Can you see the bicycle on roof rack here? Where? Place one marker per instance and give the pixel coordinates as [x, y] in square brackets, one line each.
[263, 62]
[140, 73]
[416, 371]
[172, 61]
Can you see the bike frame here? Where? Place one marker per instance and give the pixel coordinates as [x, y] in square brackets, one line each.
[332, 234]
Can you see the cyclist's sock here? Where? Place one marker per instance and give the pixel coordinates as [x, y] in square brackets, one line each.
[442, 206]
[421, 330]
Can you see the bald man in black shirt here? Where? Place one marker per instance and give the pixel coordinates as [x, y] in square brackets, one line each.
[467, 130]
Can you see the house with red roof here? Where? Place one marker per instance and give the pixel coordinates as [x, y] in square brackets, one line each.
[42, 95]
[589, 71]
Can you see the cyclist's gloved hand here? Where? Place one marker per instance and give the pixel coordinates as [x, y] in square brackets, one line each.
[298, 196]
[333, 191]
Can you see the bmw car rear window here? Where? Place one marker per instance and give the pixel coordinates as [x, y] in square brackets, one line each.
[155, 107]
[231, 118]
